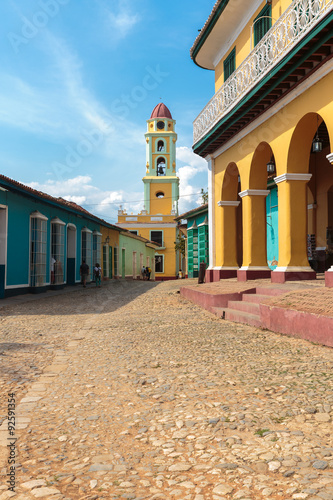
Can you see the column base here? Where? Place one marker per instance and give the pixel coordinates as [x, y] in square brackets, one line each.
[281, 275]
[224, 273]
[209, 276]
[256, 273]
[329, 278]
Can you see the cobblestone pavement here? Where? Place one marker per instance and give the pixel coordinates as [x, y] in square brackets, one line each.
[131, 392]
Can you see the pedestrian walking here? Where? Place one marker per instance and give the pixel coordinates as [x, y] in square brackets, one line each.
[148, 271]
[97, 274]
[84, 272]
[143, 273]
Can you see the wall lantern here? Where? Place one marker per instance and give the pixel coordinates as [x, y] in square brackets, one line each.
[271, 167]
[107, 240]
[317, 144]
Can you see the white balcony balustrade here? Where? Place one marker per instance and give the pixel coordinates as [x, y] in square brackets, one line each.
[287, 31]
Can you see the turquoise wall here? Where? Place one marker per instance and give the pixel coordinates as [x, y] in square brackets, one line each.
[272, 227]
[20, 208]
[194, 257]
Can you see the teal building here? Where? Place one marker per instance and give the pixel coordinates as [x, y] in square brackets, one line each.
[197, 250]
[43, 240]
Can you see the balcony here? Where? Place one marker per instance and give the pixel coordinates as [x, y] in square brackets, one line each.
[288, 33]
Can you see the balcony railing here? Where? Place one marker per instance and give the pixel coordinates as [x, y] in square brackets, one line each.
[289, 29]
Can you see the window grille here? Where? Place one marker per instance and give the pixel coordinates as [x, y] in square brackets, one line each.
[159, 264]
[106, 261]
[57, 251]
[97, 243]
[157, 237]
[86, 253]
[38, 227]
[115, 261]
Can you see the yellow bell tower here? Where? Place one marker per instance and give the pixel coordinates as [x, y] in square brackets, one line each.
[156, 222]
[161, 184]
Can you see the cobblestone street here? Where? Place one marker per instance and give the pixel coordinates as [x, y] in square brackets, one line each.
[129, 391]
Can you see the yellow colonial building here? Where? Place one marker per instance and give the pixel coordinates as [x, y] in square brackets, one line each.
[161, 193]
[267, 134]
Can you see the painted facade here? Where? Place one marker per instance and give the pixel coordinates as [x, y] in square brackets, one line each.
[267, 136]
[197, 246]
[161, 193]
[134, 253]
[43, 241]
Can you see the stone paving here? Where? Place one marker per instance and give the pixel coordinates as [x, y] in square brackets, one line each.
[131, 392]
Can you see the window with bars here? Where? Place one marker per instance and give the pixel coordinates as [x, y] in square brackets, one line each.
[86, 253]
[38, 231]
[106, 261]
[97, 243]
[57, 251]
[157, 237]
[115, 261]
[159, 264]
[262, 23]
[229, 64]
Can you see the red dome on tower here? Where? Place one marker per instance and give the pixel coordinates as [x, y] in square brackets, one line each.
[161, 111]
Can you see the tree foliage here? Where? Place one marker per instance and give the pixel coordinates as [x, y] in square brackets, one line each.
[180, 244]
[204, 196]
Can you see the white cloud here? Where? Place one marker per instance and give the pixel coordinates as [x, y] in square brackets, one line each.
[193, 177]
[121, 20]
[104, 204]
[186, 155]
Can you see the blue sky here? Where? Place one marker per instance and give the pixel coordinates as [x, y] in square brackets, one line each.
[79, 79]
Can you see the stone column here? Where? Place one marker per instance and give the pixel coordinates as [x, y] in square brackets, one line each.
[293, 258]
[211, 219]
[254, 235]
[228, 241]
[329, 272]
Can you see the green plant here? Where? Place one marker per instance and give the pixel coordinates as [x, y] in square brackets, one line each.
[261, 432]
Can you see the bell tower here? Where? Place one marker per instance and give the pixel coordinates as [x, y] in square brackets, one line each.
[161, 184]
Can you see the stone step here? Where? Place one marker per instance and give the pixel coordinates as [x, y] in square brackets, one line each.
[219, 311]
[242, 317]
[274, 291]
[255, 297]
[240, 305]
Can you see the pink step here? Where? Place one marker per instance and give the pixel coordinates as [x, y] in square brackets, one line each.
[219, 311]
[272, 291]
[255, 297]
[244, 306]
[242, 317]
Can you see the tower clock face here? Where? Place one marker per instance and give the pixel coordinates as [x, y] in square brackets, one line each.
[160, 125]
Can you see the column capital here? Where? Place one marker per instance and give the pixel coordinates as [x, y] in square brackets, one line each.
[228, 203]
[292, 177]
[254, 192]
[330, 158]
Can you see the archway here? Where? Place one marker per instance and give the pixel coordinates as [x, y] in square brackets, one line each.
[229, 237]
[254, 216]
[303, 201]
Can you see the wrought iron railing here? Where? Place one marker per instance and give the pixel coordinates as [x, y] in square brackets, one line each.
[289, 29]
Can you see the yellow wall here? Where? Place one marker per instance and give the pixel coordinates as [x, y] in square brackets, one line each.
[160, 205]
[113, 234]
[288, 136]
[169, 236]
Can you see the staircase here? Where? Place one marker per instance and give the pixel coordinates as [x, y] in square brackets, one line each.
[247, 310]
